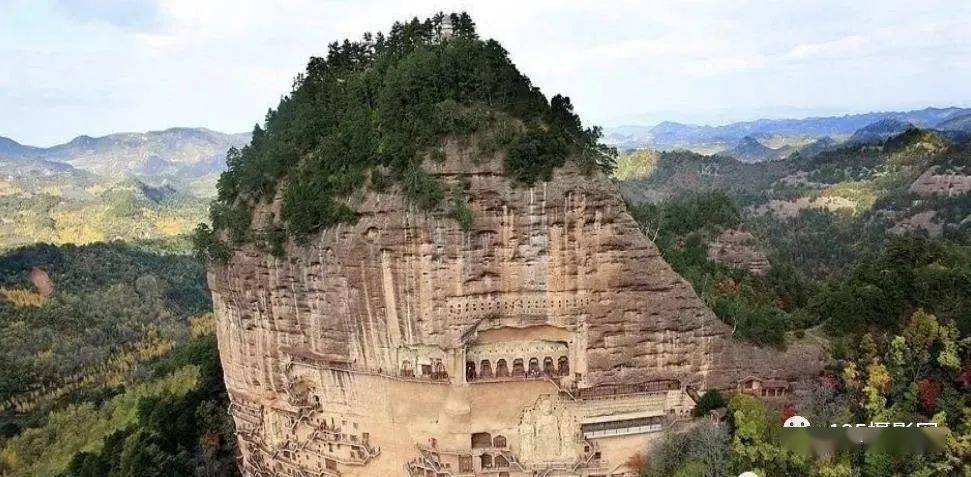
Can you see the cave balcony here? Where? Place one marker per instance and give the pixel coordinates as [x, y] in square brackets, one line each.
[471, 462]
[520, 378]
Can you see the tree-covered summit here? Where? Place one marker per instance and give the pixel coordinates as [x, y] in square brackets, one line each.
[370, 112]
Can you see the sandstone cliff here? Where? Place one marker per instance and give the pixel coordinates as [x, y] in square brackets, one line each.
[565, 253]
[382, 325]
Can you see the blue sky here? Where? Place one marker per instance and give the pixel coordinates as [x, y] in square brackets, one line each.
[95, 67]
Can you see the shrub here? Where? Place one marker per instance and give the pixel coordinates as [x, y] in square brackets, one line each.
[712, 399]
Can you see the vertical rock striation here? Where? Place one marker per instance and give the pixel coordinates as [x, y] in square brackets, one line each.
[397, 324]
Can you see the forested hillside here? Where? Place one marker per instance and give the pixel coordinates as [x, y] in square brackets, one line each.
[172, 422]
[917, 180]
[847, 266]
[108, 365]
[101, 299]
[51, 202]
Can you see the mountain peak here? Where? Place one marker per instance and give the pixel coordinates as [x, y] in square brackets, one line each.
[7, 142]
[139, 190]
[749, 141]
[750, 149]
[80, 141]
[888, 124]
[880, 131]
[11, 148]
[471, 87]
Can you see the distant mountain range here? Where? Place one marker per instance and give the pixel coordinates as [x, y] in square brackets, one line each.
[191, 159]
[188, 158]
[121, 186]
[157, 183]
[887, 159]
[960, 123]
[711, 139]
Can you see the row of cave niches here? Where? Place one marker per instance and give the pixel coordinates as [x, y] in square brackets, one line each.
[460, 307]
[483, 371]
[519, 369]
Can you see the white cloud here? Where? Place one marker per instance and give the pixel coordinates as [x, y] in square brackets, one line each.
[841, 48]
[221, 63]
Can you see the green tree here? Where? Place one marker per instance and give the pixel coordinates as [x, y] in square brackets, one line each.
[389, 103]
[712, 399]
[755, 445]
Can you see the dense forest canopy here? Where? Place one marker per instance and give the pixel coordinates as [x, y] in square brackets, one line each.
[173, 422]
[370, 112]
[108, 363]
[889, 304]
[109, 303]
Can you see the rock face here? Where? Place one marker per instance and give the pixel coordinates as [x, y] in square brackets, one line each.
[934, 182]
[920, 221]
[41, 281]
[549, 337]
[737, 248]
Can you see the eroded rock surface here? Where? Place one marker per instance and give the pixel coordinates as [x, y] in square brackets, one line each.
[550, 337]
[921, 221]
[934, 182]
[738, 249]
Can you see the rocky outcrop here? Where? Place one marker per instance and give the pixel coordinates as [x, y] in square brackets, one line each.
[41, 281]
[916, 223]
[941, 183]
[347, 323]
[738, 249]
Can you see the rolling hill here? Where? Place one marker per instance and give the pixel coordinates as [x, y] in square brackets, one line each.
[54, 202]
[749, 149]
[915, 181]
